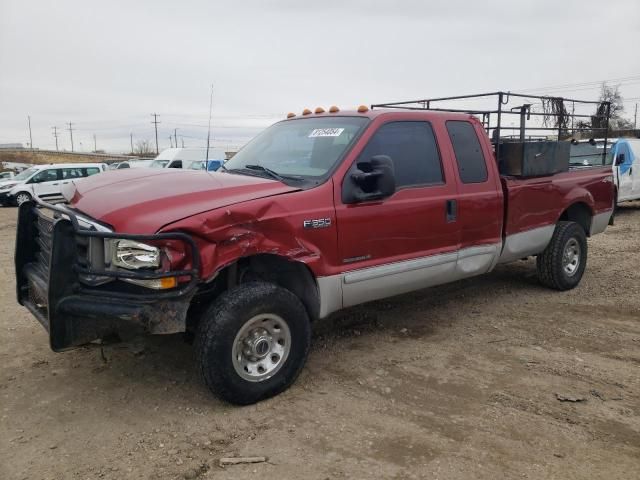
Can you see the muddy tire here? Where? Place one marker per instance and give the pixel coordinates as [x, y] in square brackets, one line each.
[563, 262]
[252, 342]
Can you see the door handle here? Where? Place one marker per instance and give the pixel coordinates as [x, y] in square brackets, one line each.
[452, 210]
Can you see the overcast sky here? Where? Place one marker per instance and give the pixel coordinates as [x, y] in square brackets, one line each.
[106, 66]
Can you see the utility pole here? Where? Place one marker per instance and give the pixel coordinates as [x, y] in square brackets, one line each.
[156, 122]
[209, 129]
[55, 134]
[175, 136]
[30, 137]
[171, 141]
[635, 117]
[95, 145]
[71, 133]
[131, 137]
[182, 138]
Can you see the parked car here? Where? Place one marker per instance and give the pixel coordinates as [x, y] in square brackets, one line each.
[318, 213]
[209, 165]
[131, 164]
[623, 155]
[186, 158]
[6, 175]
[45, 181]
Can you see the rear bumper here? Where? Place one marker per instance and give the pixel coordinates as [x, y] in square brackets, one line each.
[48, 268]
[599, 222]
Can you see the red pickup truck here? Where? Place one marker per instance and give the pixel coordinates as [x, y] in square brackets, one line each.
[320, 212]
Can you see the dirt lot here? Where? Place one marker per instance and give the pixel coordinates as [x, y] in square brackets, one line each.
[455, 382]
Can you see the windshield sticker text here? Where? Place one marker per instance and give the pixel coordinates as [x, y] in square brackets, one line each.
[326, 132]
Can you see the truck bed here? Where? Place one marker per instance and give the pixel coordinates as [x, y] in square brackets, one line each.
[537, 202]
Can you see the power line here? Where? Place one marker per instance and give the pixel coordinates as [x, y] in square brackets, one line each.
[156, 122]
[582, 84]
[71, 133]
[55, 134]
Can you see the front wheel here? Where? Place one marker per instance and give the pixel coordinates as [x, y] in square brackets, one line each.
[22, 197]
[252, 342]
[563, 262]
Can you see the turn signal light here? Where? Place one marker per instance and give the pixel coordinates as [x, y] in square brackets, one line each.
[291, 115]
[363, 109]
[319, 110]
[168, 282]
[306, 111]
[334, 109]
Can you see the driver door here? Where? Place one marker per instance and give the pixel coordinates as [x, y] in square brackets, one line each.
[410, 239]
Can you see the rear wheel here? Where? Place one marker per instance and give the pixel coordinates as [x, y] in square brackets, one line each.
[22, 197]
[252, 342]
[563, 262]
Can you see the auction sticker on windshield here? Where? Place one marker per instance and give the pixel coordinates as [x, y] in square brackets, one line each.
[326, 132]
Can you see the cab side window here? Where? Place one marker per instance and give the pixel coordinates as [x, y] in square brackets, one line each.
[45, 176]
[412, 147]
[469, 157]
[71, 173]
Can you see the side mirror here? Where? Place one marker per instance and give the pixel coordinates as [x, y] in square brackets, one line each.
[619, 159]
[373, 180]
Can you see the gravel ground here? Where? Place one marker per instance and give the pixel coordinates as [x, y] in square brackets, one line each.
[455, 382]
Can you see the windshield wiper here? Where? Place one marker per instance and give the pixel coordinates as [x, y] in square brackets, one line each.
[271, 173]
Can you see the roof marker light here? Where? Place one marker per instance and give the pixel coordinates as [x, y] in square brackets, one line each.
[306, 111]
[319, 110]
[291, 115]
[334, 109]
[363, 109]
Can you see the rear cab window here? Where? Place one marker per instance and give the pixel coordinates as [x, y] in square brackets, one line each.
[472, 166]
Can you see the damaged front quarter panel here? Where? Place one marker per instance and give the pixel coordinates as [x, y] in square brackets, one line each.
[274, 225]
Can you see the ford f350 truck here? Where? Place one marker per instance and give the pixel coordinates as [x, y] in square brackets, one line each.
[319, 212]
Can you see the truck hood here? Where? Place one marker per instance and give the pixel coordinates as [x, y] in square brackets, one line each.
[144, 200]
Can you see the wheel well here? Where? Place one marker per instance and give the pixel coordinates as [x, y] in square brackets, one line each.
[579, 213]
[294, 276]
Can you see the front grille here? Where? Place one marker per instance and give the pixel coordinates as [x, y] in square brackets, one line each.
[37, 284]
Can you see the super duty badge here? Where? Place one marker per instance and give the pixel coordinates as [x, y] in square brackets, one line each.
[317, 223]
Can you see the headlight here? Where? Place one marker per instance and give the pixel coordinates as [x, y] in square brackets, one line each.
[134, 255]
[7, 187]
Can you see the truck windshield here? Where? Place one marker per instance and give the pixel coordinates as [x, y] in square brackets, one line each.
[303, 148]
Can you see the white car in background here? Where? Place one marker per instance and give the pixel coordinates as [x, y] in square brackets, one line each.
[45, 182]
[131, 164]
[623, 154]
[187, 158]
[626, 168]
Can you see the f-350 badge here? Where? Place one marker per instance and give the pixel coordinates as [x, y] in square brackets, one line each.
[317, 223]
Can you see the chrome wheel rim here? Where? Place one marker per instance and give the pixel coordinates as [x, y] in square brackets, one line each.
[571, 257]
[20, 199]
[261, 347]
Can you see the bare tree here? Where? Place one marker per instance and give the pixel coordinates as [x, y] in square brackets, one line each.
[144, 148]
[612, 95]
